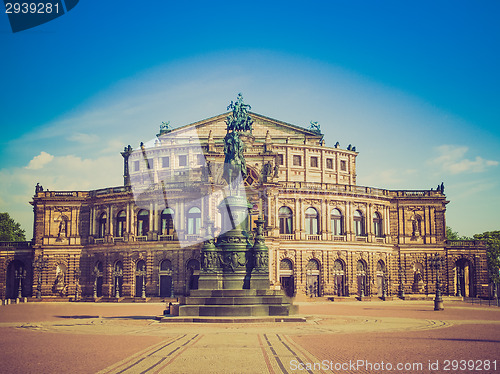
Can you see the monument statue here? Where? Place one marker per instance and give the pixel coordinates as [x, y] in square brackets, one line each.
[234, 161]
[239, 120]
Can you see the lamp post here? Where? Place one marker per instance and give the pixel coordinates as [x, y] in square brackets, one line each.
[401, 284]
[77, 284]
[142, 274]
[117, 274]
[40, 263]
[20, 274]
[96, 273]
[436, 263]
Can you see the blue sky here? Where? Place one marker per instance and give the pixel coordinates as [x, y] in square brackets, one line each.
[415, 86]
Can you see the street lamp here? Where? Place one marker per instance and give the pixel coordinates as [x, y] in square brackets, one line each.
[96, 273]
[77, 283]
[142, 274]
[118, 273]
[436, 263]
[20, 274]
[40, 263]
[401, 284]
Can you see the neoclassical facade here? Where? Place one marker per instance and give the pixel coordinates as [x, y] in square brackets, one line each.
[326, 235]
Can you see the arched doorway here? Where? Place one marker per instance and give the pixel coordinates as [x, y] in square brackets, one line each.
[98, 279]
[166, 289]
[193, 274]
[16, 285]
[286, 277]
[339, 278]
[140, 279]
[361, 278]
[463, 278]
[312, 278]
[381, 278]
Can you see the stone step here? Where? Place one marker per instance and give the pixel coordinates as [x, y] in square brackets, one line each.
[235, 293]
[235, 310]
[242, 300]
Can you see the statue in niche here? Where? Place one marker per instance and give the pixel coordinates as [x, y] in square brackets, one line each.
[415, 223]
[59, 285]
[267, 171]
[62, 229]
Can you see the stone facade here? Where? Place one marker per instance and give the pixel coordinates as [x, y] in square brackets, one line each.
[326, 235]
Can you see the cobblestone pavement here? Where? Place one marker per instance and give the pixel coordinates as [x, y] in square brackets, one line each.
[350, 337]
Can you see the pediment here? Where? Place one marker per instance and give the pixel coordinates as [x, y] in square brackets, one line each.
[261, 125]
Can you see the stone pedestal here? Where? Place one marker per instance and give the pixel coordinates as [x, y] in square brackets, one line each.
[234, 280]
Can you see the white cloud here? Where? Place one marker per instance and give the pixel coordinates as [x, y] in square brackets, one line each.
[451, 159]
[83, 138]
[67, 172]
[39, 161]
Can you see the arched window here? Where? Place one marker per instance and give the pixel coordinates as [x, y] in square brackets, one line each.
[338, 267]
[142, 223]
[286, 220]
[167, 222]
[166, 265]
[361, 267]
[312, 221]
[121, 221]
[102, 225]
[381, 266]
[359, 226]
[193, 221]
[286, 265]
[336, 222]
[377, 224]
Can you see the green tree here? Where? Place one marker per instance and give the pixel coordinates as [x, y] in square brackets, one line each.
[453, 235]
[492, 239]
[10, 230]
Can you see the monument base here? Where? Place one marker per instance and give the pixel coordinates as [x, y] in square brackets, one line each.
[236, 303]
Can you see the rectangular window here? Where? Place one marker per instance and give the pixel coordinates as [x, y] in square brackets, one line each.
[136, 166]
[150, 163]
[280, 160]
[165, 162]
[343, 165]
[201, 159]
[314, 162]
[329, 163]
[183, 160]
[297, 160]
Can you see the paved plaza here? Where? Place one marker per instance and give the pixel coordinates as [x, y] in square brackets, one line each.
[346, 337]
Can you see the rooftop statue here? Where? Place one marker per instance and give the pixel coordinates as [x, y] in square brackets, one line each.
[315, 127]
[239, 120]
